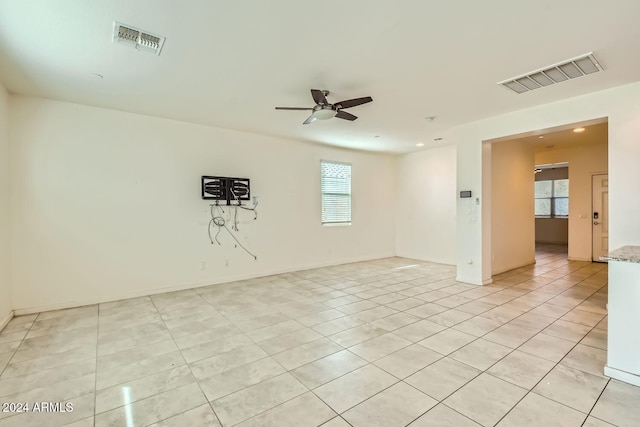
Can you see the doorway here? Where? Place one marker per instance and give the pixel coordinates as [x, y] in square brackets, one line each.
[510, 187]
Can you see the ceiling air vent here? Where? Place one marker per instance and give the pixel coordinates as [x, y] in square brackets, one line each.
[141, 40]
[565, 70]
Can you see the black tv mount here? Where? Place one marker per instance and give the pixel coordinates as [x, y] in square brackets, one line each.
[222, 188]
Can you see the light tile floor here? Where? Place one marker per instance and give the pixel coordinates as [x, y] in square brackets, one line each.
[391, 342]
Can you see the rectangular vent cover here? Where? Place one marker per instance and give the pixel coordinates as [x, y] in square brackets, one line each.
[141, 40]
[560, 72]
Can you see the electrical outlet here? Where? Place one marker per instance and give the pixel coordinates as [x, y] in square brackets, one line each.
[203, 266]
[226, 263]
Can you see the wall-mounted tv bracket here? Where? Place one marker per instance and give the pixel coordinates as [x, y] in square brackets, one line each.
[233, 191]
[226, 189]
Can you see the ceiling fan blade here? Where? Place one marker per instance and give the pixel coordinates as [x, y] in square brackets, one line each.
[293, 108]
[346, 116]
[318, 97]
[310, 119]
[353, 102]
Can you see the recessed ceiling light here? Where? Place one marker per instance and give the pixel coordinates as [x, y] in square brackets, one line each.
[377, 136]
[420, 144]
[578, 130]
[430, 118]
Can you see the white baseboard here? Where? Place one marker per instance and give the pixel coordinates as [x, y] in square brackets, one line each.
[153, 291]
[468, 281]
[435, 260]
[513, 267]
[571, 258]
[627, 377]
[6, 320]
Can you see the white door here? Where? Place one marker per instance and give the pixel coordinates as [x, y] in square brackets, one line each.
[600, 216]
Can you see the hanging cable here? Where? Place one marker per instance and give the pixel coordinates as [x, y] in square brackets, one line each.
[238, 242]
[239, 205]
[235, 219]
[220, 222]
[255, 212]
[217, 221]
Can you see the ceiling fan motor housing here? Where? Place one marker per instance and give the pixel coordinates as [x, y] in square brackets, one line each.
[324, 112]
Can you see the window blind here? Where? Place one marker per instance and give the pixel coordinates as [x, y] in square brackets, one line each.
[336, 192]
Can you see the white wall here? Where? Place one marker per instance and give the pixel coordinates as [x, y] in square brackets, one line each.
[584, 161]
[426, 208]
[552, 230]
[622, 107]
[107, 205]
[512, 206]
[6, 305]
[470, 212]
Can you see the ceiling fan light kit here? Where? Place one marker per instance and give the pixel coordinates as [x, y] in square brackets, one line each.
[324, 113]
[323, 110]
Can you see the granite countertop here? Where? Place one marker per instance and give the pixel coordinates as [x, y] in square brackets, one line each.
[625, 254]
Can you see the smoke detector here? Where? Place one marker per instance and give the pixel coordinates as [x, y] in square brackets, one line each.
[556, 73]
[139, 39]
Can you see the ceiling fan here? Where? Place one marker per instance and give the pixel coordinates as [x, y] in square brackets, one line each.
[323, 110]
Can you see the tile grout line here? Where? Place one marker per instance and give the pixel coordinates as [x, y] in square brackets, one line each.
[15, 352]
[186, 363]
[19, 345]
[596, 402]
[147, 375]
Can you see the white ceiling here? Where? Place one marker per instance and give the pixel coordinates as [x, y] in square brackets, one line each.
[228, 64]
[567, 138]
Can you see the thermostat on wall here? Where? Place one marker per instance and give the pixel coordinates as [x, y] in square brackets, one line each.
[465, 194]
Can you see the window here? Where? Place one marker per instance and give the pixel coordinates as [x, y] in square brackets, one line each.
[552, 198]
[336, 192]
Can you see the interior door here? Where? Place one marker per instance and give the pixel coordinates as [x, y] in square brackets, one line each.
[600, 216]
